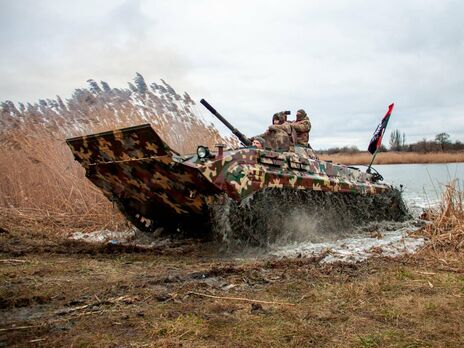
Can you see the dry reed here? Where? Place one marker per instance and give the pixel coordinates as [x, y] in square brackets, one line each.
[446, 228]
[396, 157]
[43, 189]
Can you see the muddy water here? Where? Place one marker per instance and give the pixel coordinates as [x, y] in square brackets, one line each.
[423, 185]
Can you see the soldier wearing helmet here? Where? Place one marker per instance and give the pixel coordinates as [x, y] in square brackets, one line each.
[302, 126]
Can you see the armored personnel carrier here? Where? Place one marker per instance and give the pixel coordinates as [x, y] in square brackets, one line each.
[247, 193]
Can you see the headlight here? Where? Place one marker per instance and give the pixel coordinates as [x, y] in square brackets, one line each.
[202, 152]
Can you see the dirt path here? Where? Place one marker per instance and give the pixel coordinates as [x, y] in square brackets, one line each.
[61, 293]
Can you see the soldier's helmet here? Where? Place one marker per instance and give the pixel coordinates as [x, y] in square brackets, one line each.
[301, 115]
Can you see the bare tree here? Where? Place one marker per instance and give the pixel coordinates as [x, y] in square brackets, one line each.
[443, 139]
[395, 140]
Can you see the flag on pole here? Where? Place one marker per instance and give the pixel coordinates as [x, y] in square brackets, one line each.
[376, 140]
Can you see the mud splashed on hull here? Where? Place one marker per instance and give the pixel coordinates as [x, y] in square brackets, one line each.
[282, 216]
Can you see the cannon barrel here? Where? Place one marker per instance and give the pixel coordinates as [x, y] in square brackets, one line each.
[245, 141]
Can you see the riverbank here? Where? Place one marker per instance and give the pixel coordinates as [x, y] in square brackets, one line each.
[395, 157]
[59, 292]
[106, 298]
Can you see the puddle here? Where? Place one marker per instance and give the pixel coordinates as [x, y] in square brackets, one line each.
[376, 240]
[130, 237]
[105, 236]
[358, 248]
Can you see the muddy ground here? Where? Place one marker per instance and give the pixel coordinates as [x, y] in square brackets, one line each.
[56, 292]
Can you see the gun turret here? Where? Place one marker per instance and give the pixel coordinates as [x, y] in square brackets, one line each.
[243, 139]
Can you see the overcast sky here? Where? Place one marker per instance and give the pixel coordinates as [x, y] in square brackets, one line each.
[342, 61]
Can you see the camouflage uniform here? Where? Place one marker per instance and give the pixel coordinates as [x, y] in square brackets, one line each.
[302, 126]
[279, 136]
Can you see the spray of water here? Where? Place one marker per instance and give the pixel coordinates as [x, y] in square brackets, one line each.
[277, 217]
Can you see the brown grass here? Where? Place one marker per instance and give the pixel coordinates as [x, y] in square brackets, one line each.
[43, 188]
[396, 157]
[40, 183]
[147, 299]
[446, 228]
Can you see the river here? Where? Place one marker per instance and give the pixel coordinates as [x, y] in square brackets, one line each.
[423, 184]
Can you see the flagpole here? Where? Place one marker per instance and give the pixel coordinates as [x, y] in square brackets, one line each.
[372, 161]
[376, 150]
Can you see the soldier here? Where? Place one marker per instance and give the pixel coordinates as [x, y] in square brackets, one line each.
[302, 126]
[258, 142]
[279, 134]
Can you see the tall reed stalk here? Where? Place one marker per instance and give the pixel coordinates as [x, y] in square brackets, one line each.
[43, 188]
[446, 228]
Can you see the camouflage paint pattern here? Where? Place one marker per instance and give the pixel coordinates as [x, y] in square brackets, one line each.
[242, 172]
[136, 169]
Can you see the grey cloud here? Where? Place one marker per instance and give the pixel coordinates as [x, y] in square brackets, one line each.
[54, 50]
[342, 61]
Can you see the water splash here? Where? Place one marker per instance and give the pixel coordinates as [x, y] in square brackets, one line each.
[380, 242]
[276, 216]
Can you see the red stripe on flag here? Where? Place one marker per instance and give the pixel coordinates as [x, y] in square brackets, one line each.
[389, 111]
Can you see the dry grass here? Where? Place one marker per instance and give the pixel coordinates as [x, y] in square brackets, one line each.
[396, 157]
[44, 189]
[446, 228]
[146, 299]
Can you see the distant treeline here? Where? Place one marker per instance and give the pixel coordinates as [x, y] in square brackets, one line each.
[441, 143]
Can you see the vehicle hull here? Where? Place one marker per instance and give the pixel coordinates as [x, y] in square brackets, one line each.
[156, 187]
